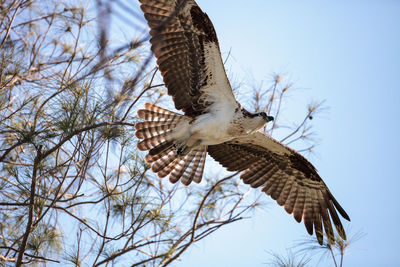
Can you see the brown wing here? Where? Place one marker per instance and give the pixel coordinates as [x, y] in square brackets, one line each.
[186, 46]
[287, 177]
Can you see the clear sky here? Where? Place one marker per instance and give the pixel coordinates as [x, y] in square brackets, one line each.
[344, 52]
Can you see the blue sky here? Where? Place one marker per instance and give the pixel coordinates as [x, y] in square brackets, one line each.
[348, 54]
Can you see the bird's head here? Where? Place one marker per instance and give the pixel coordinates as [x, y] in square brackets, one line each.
[255, 121]
[265, 116]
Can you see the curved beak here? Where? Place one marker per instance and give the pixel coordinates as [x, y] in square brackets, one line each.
[270, 118]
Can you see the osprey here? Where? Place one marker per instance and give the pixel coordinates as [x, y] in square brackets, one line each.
[188, 55]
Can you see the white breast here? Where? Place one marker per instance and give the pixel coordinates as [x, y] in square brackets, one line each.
[213, 128]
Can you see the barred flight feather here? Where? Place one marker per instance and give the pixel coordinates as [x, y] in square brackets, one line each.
[289, 204]
[299, 205]
[308, 212]
[280, 184]
[284, 194]
[271, 185]
[248, 175]
[263, 176]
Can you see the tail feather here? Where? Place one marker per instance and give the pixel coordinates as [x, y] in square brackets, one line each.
[148, 124]
[164, 146]
[151, 131]
[163, 162]
[197, 167]
[200, 168]
[180, 169]
[154, 113]
[147, 115]
[155, 134]
[152, 158]
[152, 142]
[167, 170]
[157, 109]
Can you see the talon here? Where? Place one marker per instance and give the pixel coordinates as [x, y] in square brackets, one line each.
[179, 151]
[180, 148]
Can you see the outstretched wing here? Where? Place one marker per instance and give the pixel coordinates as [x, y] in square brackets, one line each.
[186, 46]
[287, 177]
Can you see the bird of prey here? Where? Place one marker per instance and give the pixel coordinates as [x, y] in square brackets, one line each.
[185, 44]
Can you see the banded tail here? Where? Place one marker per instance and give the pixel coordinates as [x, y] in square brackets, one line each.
[157, 134]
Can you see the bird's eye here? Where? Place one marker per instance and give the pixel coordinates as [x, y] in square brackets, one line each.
[263, 114]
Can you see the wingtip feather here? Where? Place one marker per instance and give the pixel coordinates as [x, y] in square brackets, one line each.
[338, 207]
